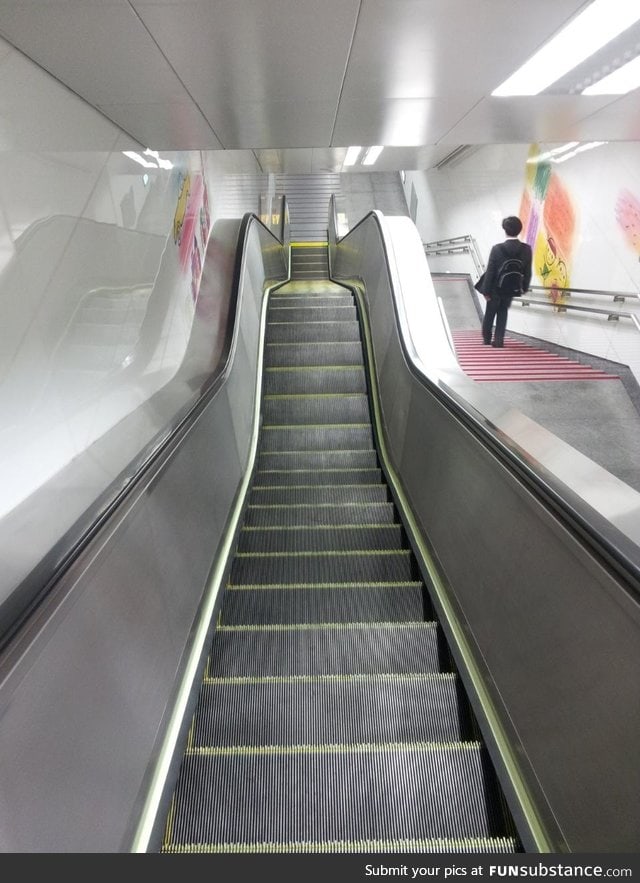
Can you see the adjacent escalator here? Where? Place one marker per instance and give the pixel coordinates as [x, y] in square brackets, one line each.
[330, 717]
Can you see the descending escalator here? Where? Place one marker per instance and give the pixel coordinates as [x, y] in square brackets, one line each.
[330, 717]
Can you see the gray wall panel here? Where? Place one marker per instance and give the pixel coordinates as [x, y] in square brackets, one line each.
[87, 688]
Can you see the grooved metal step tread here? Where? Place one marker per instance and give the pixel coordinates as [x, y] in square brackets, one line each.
[325, 602]
[281, 477]
[359, 792]
[324, 310]
[327, 649]
[301, 568]
[318, 494]
[316, 438]
[312, 354]
[321, 538]
[463, 845]
[301, 710]
[335, 459]
[310, 514]
[315, 410]
[326, 379]
[311, 332]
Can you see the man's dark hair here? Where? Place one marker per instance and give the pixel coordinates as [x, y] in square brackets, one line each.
[512, 226]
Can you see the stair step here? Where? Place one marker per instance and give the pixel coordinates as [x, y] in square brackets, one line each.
[289, 355]
[337, 495]
[337, 459]
[321, 603]
[299, 568]
[354, 793]
[320, 408]
[300, 710]
[329, 649]
[312, 331]
[280, 477]
[311, 514]
[316, 438]
[326, 379]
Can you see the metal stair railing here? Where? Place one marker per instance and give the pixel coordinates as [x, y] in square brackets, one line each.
[457, 245]
[468, 245]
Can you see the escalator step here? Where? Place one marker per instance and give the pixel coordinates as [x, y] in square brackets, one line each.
[357, 459]
[462, 845]
[308, 410]
[352, 793]
[323, 602]
[325, 379]
[302, 301]
[301, 711]
[333, 649]
[312, 354]
[281, 477]
[310, 514]
[317, 310]
[337, 495]
[319, 539]
[384, 566]
[316, 438]
[312, 332]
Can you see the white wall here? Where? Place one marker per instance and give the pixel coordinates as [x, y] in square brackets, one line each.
[591, 191]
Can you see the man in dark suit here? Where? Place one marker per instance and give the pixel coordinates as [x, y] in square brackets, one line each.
[508, 274]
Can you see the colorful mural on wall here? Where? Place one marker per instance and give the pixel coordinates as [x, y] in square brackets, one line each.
[191, 225]
[628, 217]
[549, 224]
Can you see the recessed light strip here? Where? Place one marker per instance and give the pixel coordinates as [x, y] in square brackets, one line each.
[352, 156]
[372, 155]
[619, 82]
[600, 22]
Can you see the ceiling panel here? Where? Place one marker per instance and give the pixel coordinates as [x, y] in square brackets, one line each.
[100, 50]
[528, 119]
[30, 113]
[427, 48]
[619, 120]
[285, 123]
[254, 50]
[164, 125]
[296, 82]
[397, 121]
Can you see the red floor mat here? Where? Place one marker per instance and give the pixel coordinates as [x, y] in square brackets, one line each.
[517, 361]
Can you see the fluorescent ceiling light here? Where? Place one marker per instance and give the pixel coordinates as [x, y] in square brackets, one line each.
[600, 22]
[352, 156]
[588, 146]
[560, 154]
[621, 81]
[548, 154]
[139, 159]
[147, 164]
[162, 163]
[372, 155]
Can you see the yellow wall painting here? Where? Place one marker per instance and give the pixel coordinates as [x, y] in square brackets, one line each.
[549, 225]
[628, 217]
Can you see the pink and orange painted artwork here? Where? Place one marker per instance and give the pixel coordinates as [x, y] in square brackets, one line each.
[628, 217]
[549, 222]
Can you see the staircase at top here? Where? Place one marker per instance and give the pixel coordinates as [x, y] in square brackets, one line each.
[308, 199]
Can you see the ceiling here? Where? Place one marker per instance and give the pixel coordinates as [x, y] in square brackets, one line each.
[296, 82]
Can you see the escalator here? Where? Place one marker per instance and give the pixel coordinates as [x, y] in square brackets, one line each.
[330, 717]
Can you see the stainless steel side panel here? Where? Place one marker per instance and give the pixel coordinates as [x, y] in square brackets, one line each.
[86, 691]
